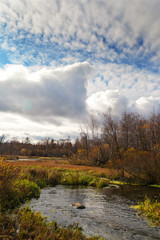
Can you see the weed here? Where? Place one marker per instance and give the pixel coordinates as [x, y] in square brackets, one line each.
[14, 190]
[26, 190]
[151, 210]
[34, 226]
[102, 182]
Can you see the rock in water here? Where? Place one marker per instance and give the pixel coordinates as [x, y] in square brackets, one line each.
[78, 205]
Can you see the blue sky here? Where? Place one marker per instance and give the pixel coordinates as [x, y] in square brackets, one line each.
[61, 61]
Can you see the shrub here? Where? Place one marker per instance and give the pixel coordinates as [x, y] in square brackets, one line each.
[7, 227]
[26, 190]
[76, 178]
[54, 178]
[8, 195]
[70, 178]
[44, 177]
[34, 226]
[151, 210]
[38, 175]
[30, 225]
[14, 190]
[102, 182]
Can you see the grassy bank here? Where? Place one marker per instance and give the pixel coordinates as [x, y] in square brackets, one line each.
[150, 210]
[44, 177]
[14, 188]
[29, 225]
[19, 184]
[21, 181]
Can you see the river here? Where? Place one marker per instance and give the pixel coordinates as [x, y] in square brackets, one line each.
[107, 213]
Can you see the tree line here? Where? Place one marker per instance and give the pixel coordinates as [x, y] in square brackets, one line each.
[130, 144]
[44, 148]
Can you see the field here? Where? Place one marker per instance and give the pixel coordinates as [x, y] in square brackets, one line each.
[64, 164]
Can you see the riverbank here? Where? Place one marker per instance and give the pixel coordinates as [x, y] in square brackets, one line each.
[29, 225]
[17, 185]
[21, 181]
[150, 210]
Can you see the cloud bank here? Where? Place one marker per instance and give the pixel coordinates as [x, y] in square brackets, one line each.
[100, 102]
[45, 94]
[47, 101]
[69, 92]
[61, 60]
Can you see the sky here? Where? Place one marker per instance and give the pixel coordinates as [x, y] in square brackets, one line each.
[62, 60]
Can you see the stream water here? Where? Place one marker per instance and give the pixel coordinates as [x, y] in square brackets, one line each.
[107, 213]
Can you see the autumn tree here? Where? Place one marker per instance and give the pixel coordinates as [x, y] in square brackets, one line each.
[110, 132]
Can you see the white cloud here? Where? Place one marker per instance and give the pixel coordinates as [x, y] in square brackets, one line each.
[132, 82]
[85, 24]
[20, 127]
[147, 105]
[54, 33]
[123, 87]
[45, 94]
[100, 102]
[51, 101]
[6, 47]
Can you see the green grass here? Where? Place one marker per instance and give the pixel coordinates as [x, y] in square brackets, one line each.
[44, 177]
[118, 182]
[14, 189]
[150, 210]
[155, 185]
[82, 179]
[123, 183]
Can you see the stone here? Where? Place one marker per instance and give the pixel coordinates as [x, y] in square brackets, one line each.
[78, 205]
[113, 186]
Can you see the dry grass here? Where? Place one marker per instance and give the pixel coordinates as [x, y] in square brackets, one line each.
[150, 210]
[55, 164]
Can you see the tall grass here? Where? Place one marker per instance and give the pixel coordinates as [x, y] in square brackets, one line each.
[151, 210]
[29, 225]
[44, 177]
[14, 190]
[34, 226]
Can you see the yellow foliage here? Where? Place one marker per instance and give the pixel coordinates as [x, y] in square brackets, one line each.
[131, 149]
[106, 146]
[23, 150]
[146, 126]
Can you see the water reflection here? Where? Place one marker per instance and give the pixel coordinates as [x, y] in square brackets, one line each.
[107, 212]
[133, 193]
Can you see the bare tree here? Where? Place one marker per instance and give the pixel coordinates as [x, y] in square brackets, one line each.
[110, 131]
[2, 138]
